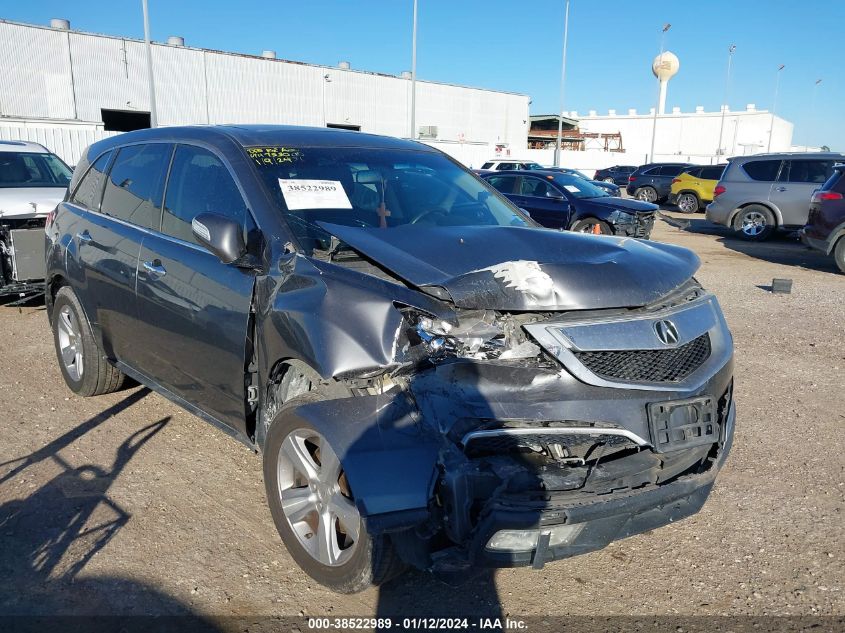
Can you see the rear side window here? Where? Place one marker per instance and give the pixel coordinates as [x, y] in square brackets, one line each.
[671, 170]
[504, 184]
[199, 183]
[712, 173]
[808, 171]
[487, 166]
[90, 188]
[836, 182]
[504, 166]
[762, 170]
[135, 184]
[651, 171]
[695, 172]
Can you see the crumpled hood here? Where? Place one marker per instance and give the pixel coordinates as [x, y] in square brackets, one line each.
[626, 204]
[521, 268]
[29, 202]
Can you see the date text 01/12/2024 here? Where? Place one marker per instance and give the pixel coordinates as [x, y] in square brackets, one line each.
[416, 623]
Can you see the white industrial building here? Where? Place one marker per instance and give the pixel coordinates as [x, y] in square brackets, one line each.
[67, 88]
[693, 135]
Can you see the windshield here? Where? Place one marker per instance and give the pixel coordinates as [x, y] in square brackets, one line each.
[26, 169]
[578, 187]
[376, 188]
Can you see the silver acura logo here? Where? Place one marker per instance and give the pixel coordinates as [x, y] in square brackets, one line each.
[666, 332]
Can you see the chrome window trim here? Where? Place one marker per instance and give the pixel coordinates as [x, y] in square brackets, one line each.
[556, 430]
[698, 317]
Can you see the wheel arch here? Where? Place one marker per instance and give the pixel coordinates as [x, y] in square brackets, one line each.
[775, 211]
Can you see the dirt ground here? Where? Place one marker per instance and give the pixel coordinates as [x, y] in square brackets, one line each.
[125, 504]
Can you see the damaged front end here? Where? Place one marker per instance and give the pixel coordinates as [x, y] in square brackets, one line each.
[508, 438]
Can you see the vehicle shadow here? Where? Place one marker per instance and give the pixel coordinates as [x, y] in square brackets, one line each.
[782, 248]
[52, 533]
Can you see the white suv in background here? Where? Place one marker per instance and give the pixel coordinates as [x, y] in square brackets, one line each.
[508, 164]
[32, 182]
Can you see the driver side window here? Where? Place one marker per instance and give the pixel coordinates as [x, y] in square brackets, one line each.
[199, 183]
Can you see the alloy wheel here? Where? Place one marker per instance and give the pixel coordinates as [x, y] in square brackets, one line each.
[647, 194]
[688, 203]
[70, 343]
[316, 499]
[753, 223]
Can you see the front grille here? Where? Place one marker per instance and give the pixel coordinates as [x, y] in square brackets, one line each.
[652, 365]
[644, 224]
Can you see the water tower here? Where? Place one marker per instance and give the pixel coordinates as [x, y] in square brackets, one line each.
[665, 66]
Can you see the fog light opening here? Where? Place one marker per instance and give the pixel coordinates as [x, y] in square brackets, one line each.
[526, 540]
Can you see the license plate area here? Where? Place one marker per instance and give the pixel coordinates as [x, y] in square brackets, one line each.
[678, 424]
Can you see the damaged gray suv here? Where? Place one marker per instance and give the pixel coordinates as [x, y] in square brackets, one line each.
[432, 379]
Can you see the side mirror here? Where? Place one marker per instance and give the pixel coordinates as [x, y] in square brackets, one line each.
[221, 235]
[559, 198]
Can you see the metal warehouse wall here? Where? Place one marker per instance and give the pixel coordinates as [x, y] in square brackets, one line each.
[56, 74]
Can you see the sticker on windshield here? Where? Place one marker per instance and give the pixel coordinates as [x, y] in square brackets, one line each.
[571, 188]
[314, 194]
[263, 156]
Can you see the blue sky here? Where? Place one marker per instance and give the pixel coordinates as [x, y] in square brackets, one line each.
[516, 46]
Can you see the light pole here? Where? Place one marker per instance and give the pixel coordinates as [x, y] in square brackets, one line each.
[666, 27]
[414, 76]
[562, 82]
[153, 112]
[774, 106]
[731, 50]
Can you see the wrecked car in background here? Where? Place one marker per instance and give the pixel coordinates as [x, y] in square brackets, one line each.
[432, 378]
[32, 182]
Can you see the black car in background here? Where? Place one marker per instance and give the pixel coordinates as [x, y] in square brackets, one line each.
[432, 378]
[653, 182]
[562, 201]
[618, 174]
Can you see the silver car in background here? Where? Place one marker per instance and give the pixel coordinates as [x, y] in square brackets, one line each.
[759, 194]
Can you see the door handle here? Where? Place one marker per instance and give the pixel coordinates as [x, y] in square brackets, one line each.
[84, 237]
[780, 188]
[155, 269]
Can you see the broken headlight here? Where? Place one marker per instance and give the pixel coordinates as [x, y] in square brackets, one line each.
[479, 334]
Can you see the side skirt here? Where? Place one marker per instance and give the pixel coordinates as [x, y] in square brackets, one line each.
[191, 408]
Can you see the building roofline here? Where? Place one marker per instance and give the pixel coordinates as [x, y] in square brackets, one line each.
[248, 55]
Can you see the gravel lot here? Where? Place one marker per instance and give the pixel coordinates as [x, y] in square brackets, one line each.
[125, 504]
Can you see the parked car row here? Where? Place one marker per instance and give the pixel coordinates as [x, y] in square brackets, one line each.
[432, 378]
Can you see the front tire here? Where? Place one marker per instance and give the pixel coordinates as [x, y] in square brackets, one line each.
[314, 508]
[754, 223]
[646, 194]
[592, 226]
[85, 368]
[839, 254]
[688, 203]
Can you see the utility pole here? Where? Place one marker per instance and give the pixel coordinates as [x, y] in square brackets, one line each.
[731, 50]
[666, 27]
[562, 83]
[153, 112]
[414, 76]
[774, 106]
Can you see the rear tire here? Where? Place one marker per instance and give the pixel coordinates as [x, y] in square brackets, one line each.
[353, 559]
[85, 368]
[839, 254]
[610, 180]
[688, 203]
[593, 226]
[646, 194]
[754, 223]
